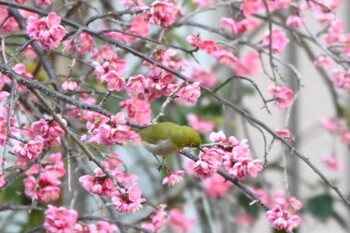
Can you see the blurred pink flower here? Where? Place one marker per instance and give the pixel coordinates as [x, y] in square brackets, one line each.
[333, 163]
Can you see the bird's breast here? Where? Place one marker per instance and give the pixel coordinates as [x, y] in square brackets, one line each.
[163, 148]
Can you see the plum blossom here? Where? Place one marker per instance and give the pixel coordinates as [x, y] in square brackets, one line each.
[190, 93]
[244, 220]
[47, 31]
[283, 220]
[294, 21]
[178, 221]
[249, 65]
[46, 186]
[201, 125]
[70, 85]
[158, 220]
[216, 186]
[60, 219]
[285, 134]
[239, 27]
[207, 164]
[279, 40]
[205, 76]
[29, 151]
[341, 78]
[203, 3]
[128, 200]
[83, 45]
[113, 80]
[323, 61]
[283, 96]
[162, 13]
[225, 57]
[43, 3]
[173, 178]
[332, 162]
[136, 84]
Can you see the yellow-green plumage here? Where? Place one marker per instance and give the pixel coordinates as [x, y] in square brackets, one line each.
[166, 138]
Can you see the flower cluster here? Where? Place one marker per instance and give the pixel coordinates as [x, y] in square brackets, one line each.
[47, 31]
[109, 67]
[128, 200]
[158, 220]
[337, 127]
[49, 132]
[29, 151]
[279, 40]
[283, 96]
[60, 219]
[47, 186]
[162, 13]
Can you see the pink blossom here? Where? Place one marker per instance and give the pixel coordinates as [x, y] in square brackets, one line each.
[285, 134]
[287, 203]
[194, 40]
[158, 220]
[250, 7]
[29, 151]
[173, 178]
[282, 220]
[239, 27]
[334, 125]
[60, 220]
[2, 181]
[128, 200]
[139, 110]
[98, 227]
[70, 84]
[201, 125]
[323, 61]
[47, 31]
[178, 221]
[283, 96]
[114, 81]
[249, 65]
[341, 78]
[43, 3]
[209, 46]
[241, 169]
[244, 220]
[207, 164]
[335, 32]
[136, 84]
[205, 76]
[139, 26]
[279, 40]
[190, 93]
[216, 186]
[107, 60]
[4, 95]
[225, 57]
[333, 163]
[129, 3]
[10, 24]
[203, 3]
[83, 45]
[162, 13]
[98, 184]
[22, 70]
[294, 21]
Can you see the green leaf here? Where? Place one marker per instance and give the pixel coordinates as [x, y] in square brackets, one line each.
[320, 206]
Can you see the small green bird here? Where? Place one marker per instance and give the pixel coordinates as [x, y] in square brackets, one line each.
[166, 138]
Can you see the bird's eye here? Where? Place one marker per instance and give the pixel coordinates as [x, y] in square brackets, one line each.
[193, 144]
